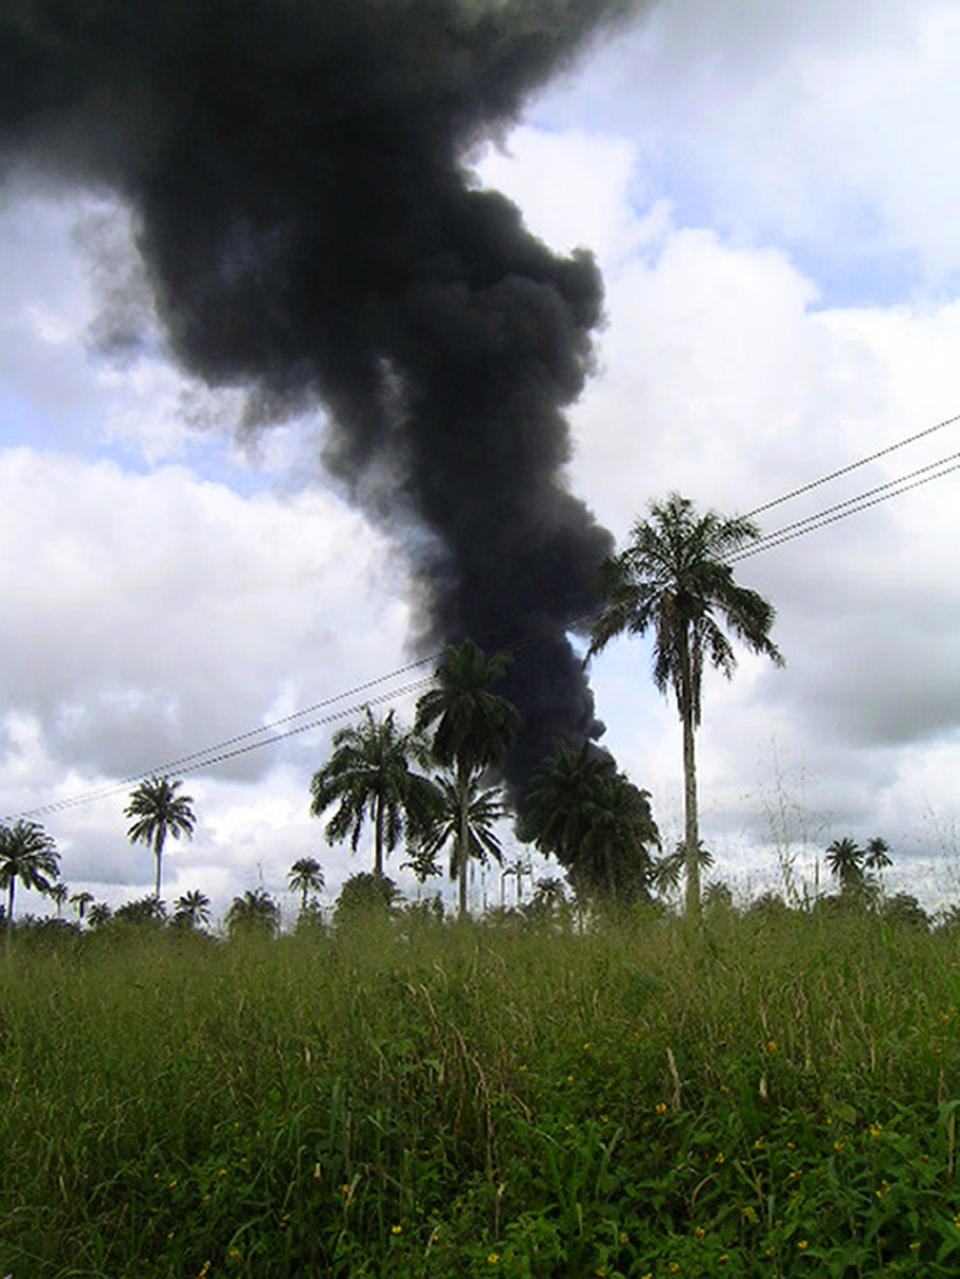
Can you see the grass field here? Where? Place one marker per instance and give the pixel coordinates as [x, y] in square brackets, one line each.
[772, 1094]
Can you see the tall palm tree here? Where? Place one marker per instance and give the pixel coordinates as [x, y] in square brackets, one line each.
[473, 728]
[27, 854]
[369, 775]
[192, 909]
[81, 901]
[59, 892]
[305, 877]
[673, 578]
[159, 811]
[588, 815]
[484, 809]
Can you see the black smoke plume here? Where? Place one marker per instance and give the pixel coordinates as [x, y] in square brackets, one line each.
[309, 231]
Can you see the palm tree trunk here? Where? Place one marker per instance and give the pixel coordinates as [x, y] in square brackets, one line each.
[158, 853]
[13, 884]
[691, 840]
[378, 839]
[463, 839]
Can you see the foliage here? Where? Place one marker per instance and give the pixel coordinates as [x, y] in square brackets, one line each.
[484, 808]
[28, 855]
[305, 878]
[364, 895]
[158, 811]
[473, 728]
[674, 578]
[597, 824]
[254, 912]
[192, 910]
[143, 912]
[421, 1101]
[369, 776]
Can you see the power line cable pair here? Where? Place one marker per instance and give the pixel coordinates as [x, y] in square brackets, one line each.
[254, 739]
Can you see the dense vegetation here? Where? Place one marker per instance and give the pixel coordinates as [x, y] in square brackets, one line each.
[770, 1093]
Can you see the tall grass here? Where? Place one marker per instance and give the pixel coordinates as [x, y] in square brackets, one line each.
[763, 1096]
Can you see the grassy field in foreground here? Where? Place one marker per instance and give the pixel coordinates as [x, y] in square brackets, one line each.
[762, 1097]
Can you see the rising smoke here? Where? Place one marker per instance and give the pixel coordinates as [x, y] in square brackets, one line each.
[309, 233]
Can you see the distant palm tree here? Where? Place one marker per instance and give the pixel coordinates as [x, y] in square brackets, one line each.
[99, 915]
[674, 577]
[484, 809]
[27, 854]
[59, 892]
[877, 855]
[845, 860]
[81, 901]
[473, 728]
[255, 911]
[588, 815]
[369, 775]
[668, 870]
[305, 877]
[192, 909]
[159, 811]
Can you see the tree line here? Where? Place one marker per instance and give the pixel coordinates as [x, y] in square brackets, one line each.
[434, 786]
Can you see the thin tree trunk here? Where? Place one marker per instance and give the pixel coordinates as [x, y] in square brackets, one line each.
[691, 825]
[463, 839]
[13, 884]
[158, 850]
[378, 840]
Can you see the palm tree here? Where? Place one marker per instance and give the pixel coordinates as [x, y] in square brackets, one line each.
[674, 578]
[81, 901]
[255, 911]
[305, 877]
[473, 728]
[484, 808]
[192, 909]
[369, 775]
[59, 892]
[100, 914]
[592, 818]
[845, 859]
[159, 811]
[668, 870]
[877, 855]
[27, 854]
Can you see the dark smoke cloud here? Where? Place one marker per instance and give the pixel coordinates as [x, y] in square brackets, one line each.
[309, 233]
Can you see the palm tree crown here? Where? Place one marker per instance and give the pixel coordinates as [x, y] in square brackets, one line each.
[593, 819]
[159, 811]
[192, 909]
[484, 809]
[473, 728]
[369, 775]
[305, 877]
[674, 579]
[27, 854]
[255, 911]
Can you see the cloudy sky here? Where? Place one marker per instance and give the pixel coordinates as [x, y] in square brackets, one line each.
[770, 191]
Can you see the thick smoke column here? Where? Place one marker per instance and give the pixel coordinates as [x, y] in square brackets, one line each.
[295, 169]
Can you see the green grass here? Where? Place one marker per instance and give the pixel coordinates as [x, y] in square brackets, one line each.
[763, 1097]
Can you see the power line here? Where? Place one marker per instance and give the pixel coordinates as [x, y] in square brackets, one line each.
[75, 801]
[266, 736]
[853, 466]
[852, 506]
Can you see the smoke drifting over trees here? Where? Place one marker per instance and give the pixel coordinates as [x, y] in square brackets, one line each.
[309, 233]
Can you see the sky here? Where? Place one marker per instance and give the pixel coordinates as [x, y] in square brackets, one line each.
[770, 191]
